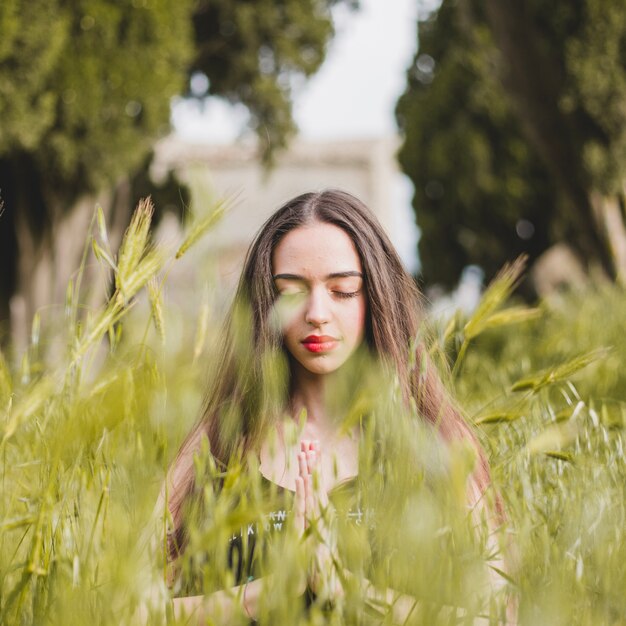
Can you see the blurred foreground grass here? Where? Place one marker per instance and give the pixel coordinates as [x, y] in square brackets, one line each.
[86, 437]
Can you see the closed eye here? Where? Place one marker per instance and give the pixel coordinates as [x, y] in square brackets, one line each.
[346, 294]
[292, 293]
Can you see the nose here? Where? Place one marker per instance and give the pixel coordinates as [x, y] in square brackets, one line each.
[318, 308]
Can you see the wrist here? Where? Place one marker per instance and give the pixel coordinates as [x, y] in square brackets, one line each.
[246, 607]
[326, 582]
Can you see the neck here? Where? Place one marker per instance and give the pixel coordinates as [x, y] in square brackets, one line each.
[311, 393]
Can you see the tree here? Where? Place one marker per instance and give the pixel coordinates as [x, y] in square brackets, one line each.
[511, 133]
[252, 51]
[85, 89]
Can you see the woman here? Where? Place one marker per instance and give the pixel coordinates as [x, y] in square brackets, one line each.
[325, 294]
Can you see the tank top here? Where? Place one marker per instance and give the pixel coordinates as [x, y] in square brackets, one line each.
[243, 554]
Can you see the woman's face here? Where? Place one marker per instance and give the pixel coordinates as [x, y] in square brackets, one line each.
[322, 303]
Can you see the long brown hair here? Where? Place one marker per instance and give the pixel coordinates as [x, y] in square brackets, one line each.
[243, 401]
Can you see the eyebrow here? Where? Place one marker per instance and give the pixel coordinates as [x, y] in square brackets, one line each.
[328, 277]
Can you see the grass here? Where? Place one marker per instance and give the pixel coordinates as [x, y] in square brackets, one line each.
[86, 437]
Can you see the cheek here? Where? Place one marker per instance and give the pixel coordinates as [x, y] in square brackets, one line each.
[286, 314]
[359, 318]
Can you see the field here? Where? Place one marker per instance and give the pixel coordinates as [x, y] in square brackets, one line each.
[86, 436]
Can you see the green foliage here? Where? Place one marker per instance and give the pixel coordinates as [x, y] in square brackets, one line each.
[86, 85]
[63, 429]
[474, 174]
[514, 112]
[29, 51]
[548, 396]
[253, 51]
[596, 72]
[86, 439]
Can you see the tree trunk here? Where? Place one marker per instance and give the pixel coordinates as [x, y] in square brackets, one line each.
[610, 213]
[534, 81]
[41, 246]
[42, 238]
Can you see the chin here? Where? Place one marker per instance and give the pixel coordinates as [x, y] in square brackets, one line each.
[320, 367]
[324, 371]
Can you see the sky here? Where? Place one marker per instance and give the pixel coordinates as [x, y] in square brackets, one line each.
[355, 92]
[353, 95]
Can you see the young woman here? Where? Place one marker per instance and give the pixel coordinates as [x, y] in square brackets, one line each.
[326, 298]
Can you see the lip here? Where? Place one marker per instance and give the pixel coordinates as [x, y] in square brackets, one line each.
[319, 343]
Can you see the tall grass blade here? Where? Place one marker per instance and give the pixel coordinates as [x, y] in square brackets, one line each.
[495, 296]
[201, 227]
[485, 316]
[560, 372]
[134, 247]
[27, 406]
[154, 294]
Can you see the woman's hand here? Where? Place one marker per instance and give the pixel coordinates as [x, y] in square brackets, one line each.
[314, 512]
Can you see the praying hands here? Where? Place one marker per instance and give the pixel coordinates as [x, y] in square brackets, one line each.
[314, 520]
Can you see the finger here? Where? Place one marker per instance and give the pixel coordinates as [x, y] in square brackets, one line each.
[305, 445]
[302, 464]
[311, 460]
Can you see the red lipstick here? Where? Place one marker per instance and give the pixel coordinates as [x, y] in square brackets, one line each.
[319, 343]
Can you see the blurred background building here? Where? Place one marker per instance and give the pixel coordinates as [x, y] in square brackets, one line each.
[366, 168]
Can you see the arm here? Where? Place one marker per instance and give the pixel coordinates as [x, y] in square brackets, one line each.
[244, 600]
[403, 608]
[225, 606]
[239, 603]
[504, 557]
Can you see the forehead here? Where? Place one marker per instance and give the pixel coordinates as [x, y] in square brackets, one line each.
[315, 250]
